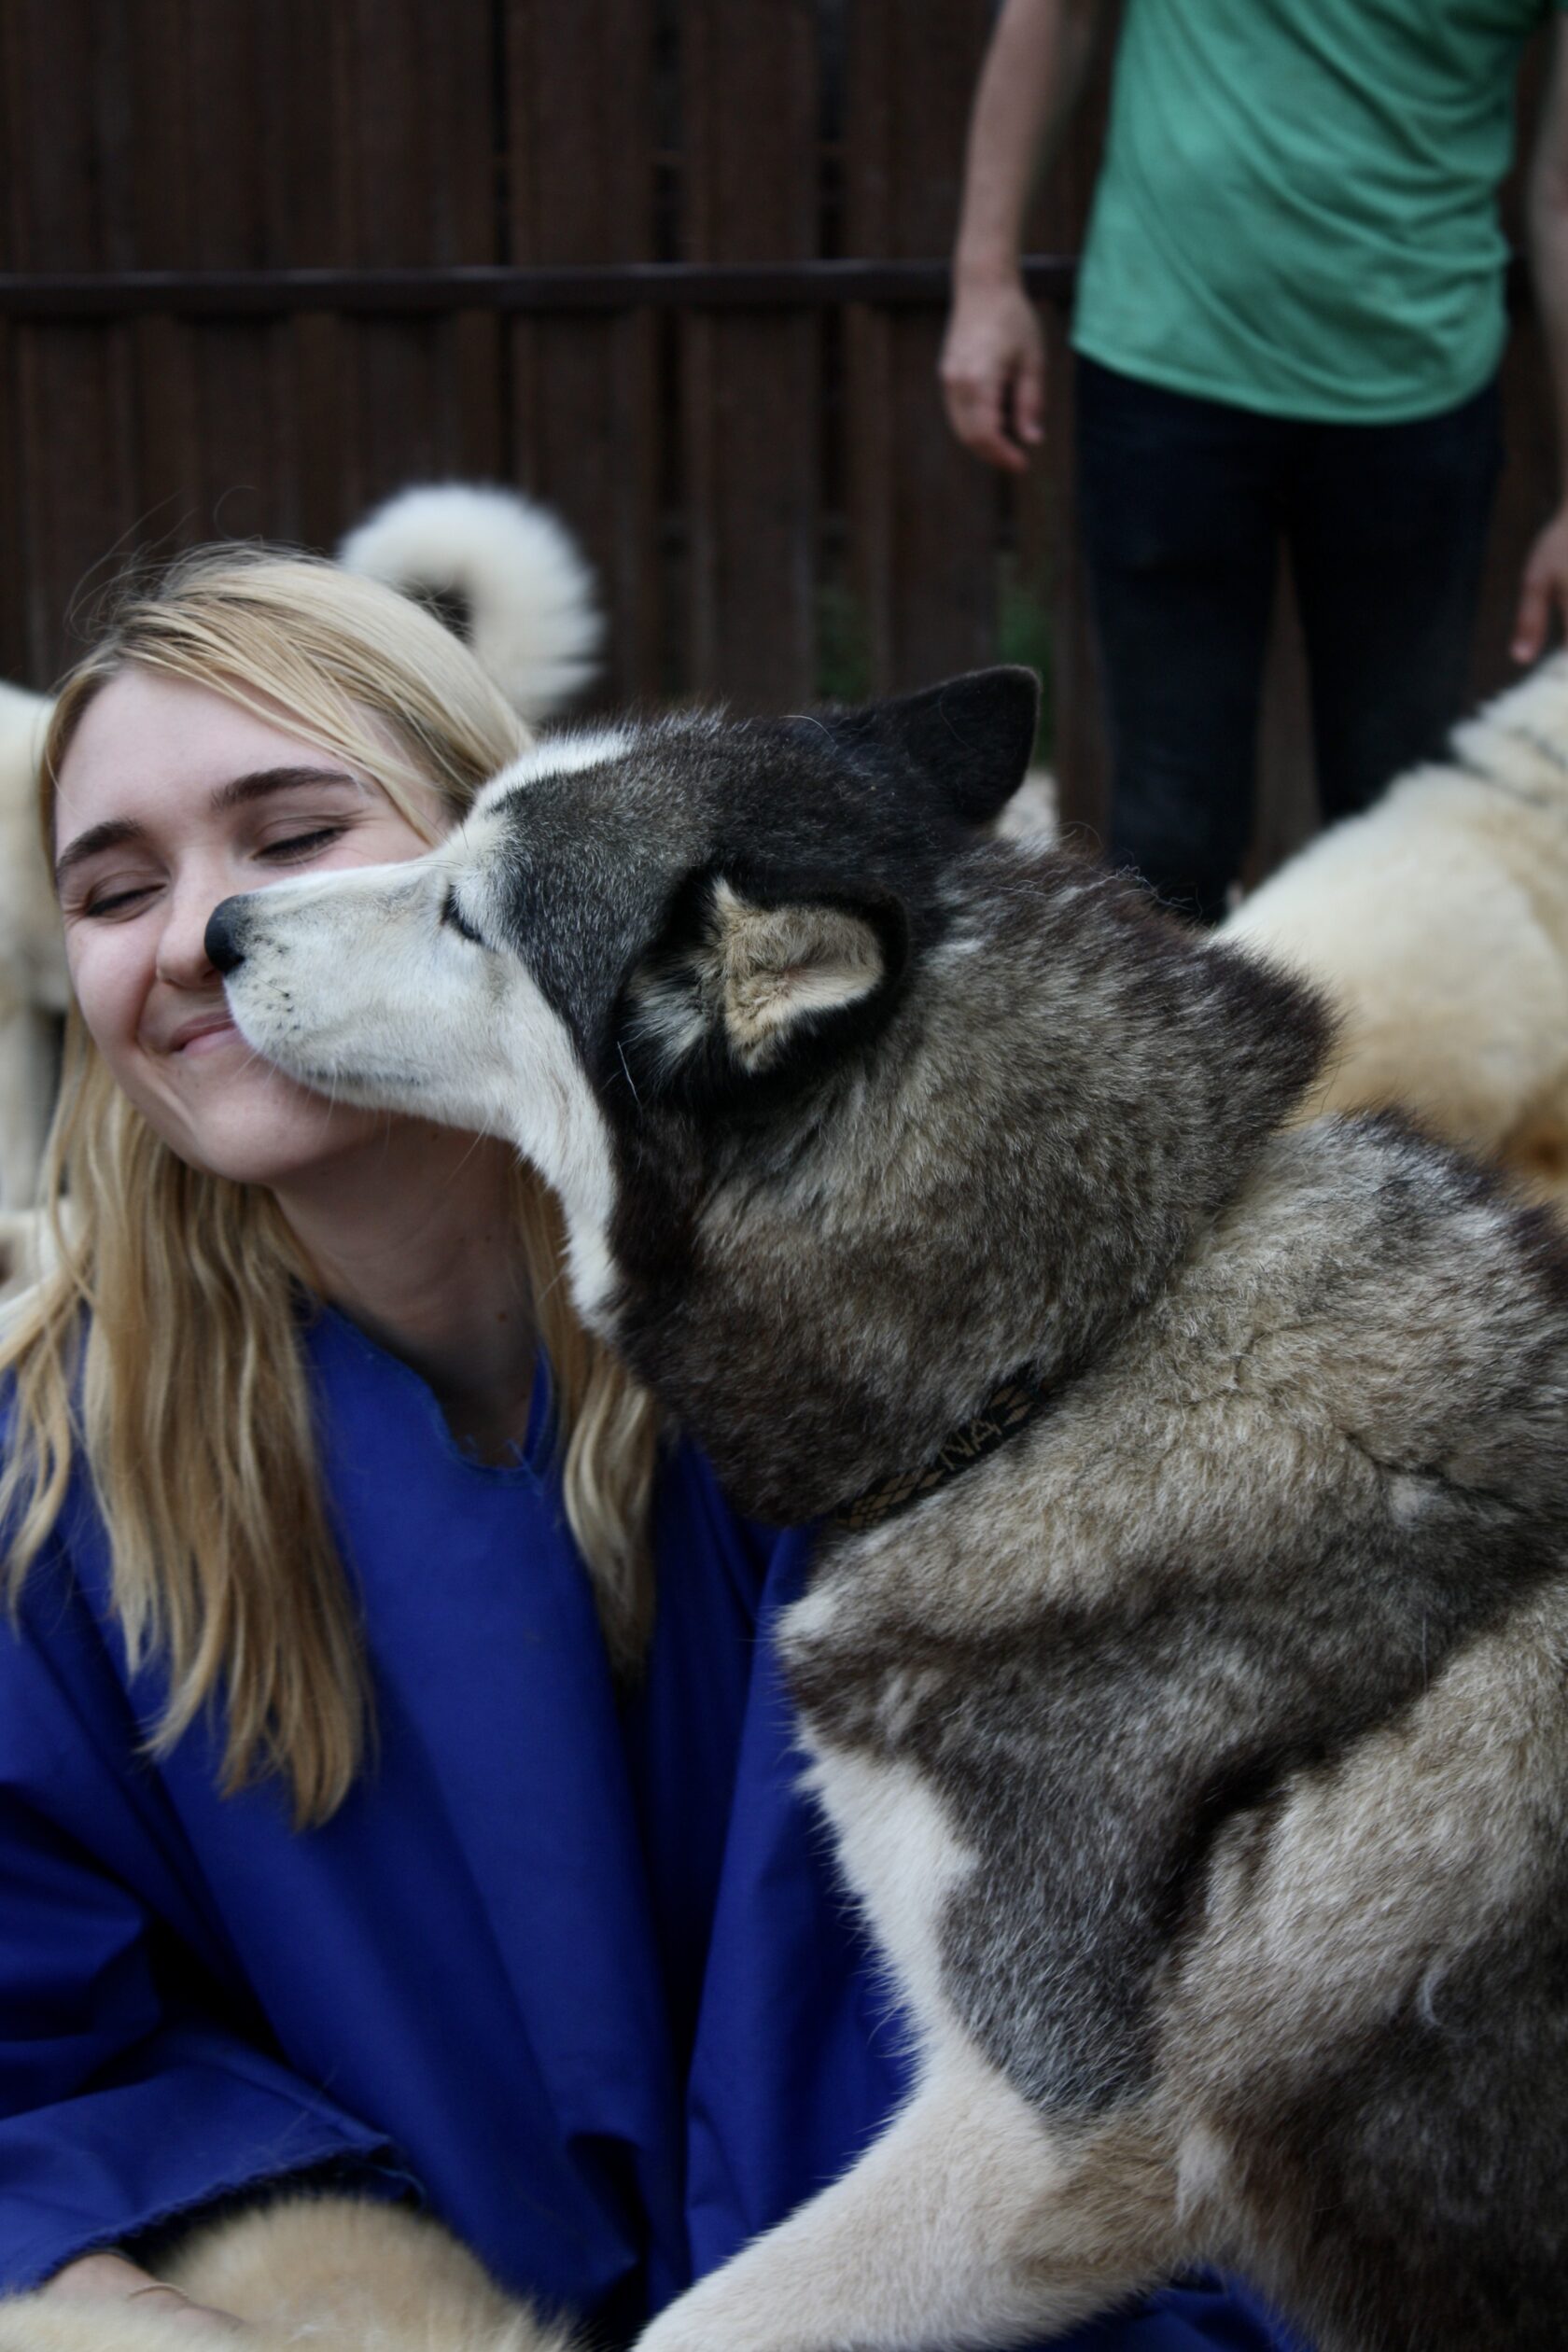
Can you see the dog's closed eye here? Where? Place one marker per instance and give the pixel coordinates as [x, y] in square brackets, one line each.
[453, 917]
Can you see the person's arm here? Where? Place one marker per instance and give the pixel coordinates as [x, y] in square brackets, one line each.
[992, 368]
[133, 2090]
[1546, 572]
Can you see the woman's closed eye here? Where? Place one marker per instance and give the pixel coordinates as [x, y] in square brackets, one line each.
[112, 899]
[119, 895]
[294, 848]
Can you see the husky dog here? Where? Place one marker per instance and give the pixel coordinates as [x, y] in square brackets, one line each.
[337, 2273]
[1183, 1672]
[1438, 921]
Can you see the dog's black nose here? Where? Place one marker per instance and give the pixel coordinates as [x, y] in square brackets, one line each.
[224, 937]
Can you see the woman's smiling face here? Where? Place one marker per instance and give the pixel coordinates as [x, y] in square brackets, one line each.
[171, 798]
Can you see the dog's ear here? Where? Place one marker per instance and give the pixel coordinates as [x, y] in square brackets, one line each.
[972, 736]
[774, 968]
[747, 979]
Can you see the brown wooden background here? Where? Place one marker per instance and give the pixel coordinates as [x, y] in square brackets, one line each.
[769, 493]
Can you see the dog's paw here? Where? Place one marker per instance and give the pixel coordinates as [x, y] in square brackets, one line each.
[709, 2318]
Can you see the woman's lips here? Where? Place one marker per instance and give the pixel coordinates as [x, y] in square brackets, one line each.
[201, 1036]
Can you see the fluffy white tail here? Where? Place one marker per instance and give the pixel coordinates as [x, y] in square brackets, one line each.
[525, 593]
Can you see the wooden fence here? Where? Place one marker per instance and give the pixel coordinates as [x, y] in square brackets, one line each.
[676, 265]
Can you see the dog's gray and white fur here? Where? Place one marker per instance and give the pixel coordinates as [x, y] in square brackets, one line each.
[1200, 1756]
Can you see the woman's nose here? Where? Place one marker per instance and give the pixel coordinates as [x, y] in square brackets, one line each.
[183, 959]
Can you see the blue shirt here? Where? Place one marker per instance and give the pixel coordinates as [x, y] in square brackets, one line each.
[573, 1970]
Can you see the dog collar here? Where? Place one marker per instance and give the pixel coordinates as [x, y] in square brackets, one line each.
[1010, 1407]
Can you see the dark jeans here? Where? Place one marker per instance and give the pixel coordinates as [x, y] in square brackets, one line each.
[1183, 504]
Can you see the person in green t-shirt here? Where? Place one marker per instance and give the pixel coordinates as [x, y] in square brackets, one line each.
[1288, 326]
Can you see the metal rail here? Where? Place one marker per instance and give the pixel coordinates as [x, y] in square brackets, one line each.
[97, 294]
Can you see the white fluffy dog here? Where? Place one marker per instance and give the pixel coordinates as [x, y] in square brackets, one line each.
[503, 568]
[33, 984]
[1439, 920]
[336, 2273]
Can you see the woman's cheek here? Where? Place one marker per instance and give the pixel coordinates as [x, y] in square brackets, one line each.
[104, 989]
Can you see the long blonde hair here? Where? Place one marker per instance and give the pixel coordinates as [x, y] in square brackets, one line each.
[166, 1340]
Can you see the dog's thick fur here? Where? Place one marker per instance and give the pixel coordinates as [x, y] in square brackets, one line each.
[1200, 1758]
[337, 2273]
[1438, 923]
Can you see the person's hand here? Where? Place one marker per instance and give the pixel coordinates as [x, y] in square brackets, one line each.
[992, 372]
[1545, 584]
[111, 2279]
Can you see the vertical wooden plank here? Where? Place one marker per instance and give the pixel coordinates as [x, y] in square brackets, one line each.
[866, 173]
[170, 509]
[311, 203]
[751, 379]
[925, 523]
[13, 543]
[13, 540]
[419, 99]
[77, 431]
[236, 388]
[581, 176]
[72, 381]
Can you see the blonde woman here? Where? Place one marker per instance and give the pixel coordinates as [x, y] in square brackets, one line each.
[394, 1792]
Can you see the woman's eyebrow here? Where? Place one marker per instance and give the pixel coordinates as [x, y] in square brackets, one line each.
[115, 832]
[260, 781]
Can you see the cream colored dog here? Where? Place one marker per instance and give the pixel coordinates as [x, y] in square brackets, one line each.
[33, 984]
[1439, 920]
[336, 2273]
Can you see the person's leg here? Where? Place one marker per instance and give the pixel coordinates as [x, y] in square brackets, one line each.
[1179, 519]
[1387, 527]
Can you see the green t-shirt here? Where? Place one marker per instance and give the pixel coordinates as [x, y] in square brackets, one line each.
[1298, 207]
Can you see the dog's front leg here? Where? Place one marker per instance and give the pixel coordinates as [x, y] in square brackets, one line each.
[970, 2221]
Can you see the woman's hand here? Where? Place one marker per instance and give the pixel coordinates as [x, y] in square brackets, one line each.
[992, 372]
[110, 2279]
[1545, 585]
